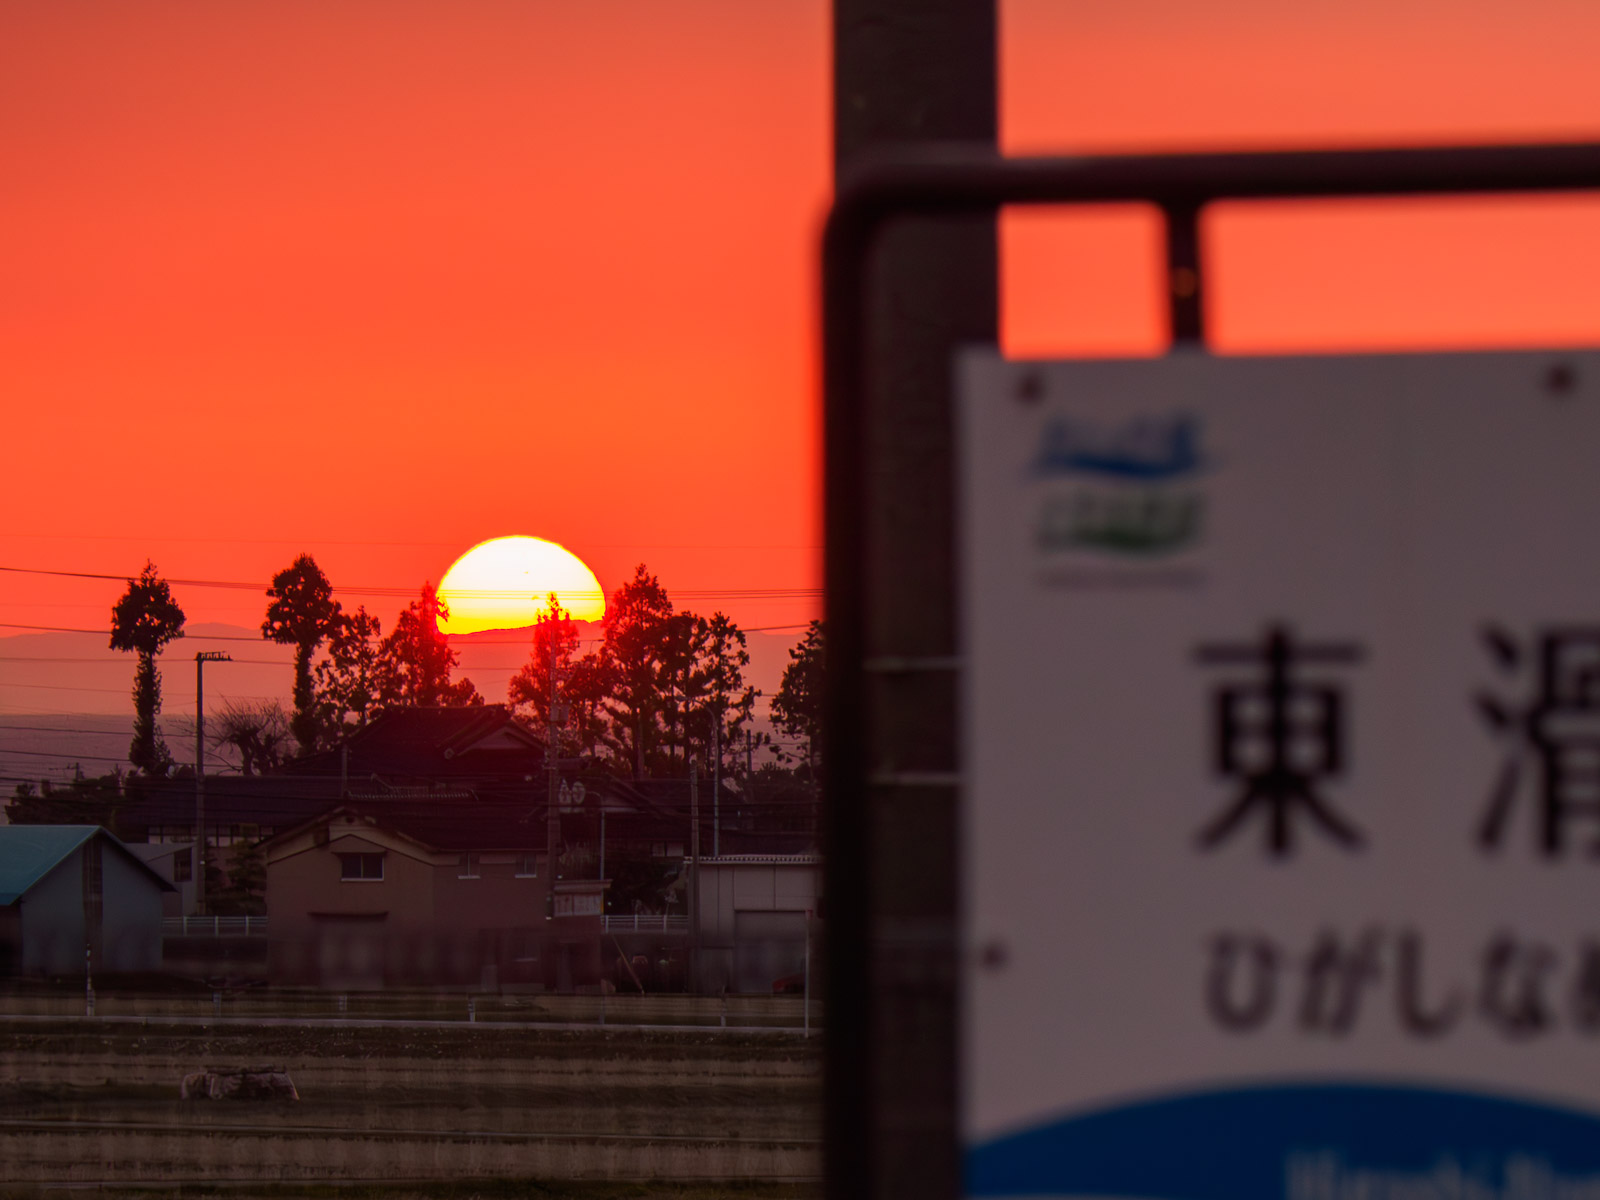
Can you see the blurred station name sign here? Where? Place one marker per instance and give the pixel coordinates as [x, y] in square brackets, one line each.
[1282, 736]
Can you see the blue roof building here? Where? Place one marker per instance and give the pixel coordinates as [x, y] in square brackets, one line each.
[74, 892]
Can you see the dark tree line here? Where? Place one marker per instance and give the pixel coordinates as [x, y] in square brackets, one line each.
[661, 689]
[363, 671]
[797, 708]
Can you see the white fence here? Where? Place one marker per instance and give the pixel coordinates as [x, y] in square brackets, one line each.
[257, 926]
[214, 927]
[646, 923]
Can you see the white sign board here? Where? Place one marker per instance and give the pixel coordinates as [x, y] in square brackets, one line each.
[1283, 739]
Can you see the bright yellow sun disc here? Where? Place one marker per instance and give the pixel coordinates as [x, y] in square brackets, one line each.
[505, 583]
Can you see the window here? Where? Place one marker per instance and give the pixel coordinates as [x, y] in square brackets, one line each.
[527, 866]
[183, 866]
[581, 904]
[469, 865]
[360, 866]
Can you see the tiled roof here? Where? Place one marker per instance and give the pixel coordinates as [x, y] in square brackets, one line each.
[448, 821]
[434, 742]
[274, 801]
[30, 852]
[465, 825]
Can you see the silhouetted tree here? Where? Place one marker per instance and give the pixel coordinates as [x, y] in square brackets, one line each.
[555, 644]
[85, 801]
[681, 688]
[259, 731]
[797, 708]
[638, 651]
[244, 892]
[723, 698]
[302, 614]
[582, 682]
[354, 676]
[417, 659]
[782, 799]
[640, 883]
[143, 621]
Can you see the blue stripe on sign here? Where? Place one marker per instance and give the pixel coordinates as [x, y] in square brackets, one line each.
[1312, 1142]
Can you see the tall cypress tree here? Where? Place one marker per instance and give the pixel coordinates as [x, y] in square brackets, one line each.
[302, 614]
[144, 620]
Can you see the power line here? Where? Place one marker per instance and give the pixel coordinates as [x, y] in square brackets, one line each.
[393, 590]
[199, 637]
[214, 757]
[64, 687]
[5, 751]
[321, 541]
[228, 637]
[118, 733]
[259, 662]
[128, 662]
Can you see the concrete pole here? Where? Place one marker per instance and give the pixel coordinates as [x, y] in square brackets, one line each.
[553, 770]
[694, 878]
[200, 661]
[200, 784]
[806, 995]
[905, 72]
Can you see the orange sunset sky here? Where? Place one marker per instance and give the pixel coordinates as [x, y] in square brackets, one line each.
[380, 280]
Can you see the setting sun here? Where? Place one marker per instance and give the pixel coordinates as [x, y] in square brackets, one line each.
[505, 583]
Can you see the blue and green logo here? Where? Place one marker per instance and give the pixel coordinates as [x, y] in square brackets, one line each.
[1127, 490]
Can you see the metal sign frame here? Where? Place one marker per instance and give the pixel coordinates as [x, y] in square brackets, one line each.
[962, 182]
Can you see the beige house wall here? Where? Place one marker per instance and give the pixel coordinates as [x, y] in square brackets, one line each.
[497, 898]
[424, 920]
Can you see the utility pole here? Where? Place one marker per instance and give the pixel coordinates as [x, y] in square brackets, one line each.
[749, 767]
[694, 877]
[200, 661]
[716, 787]
[905, 72]
[553, 771]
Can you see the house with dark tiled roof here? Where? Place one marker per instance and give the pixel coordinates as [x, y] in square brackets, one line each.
[427, 886]
[478, 752]
[483, 744]
[72, 897]
[433, 785]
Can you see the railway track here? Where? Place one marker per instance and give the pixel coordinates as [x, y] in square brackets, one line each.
[61, 1125]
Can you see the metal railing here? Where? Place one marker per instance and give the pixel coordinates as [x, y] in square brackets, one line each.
[214, 927]
[257, 926]
[645, 923]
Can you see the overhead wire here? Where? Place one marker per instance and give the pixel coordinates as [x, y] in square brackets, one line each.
[322, 541]
[123, 732]
[407, 591]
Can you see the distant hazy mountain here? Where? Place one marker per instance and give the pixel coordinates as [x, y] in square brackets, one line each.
[67, 698]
